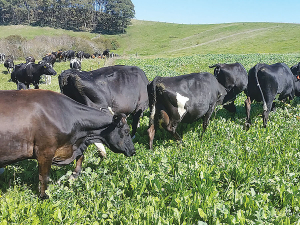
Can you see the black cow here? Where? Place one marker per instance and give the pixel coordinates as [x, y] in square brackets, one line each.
[86, 55]
[75, 64]
[234, 78]
[183, 98]
[106, 53]
[9, 64]
[30, 73]
[51, 58]
[296, 69]
[265, 82]
[55, 129]
[122, 89]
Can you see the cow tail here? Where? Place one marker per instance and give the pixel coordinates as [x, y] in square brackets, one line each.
[151, 88]
[256, 69]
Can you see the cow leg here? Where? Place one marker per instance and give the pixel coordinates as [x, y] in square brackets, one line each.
[266, 113]
[78, 167]
[248, 109]
[230, 107]
[44, 170]
[135, 122]
[151, 133]
[206, 119]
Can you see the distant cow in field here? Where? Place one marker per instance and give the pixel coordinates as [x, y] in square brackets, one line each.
[79, 55]
[51, 58]
[75, 64]
[234, 78]
[2, 57]
[265, 82]
[54, 129]
[30, 73]
[184, 98]
[9, 64]
[122, 89]
[30, 59]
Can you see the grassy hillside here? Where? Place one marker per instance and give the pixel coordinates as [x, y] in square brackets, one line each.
[157, 39]
[165, 39]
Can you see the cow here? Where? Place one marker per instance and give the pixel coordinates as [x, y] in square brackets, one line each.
[30, 59]
[79, 55]
[75, 64]
[30, 73]
[106, 53]
[86, 55]
[2, 57]
[122, 89]
[184, 98]
[55, 129]
[68, 55]
[264, 83]
[234, 78]
[9, 64]
[296, 69]
[50, 58]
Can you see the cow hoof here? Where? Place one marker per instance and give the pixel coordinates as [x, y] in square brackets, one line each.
[247, 126]
[44, 196]
[102, 154]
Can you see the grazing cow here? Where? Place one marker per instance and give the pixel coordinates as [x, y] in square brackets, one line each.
[55, 129]
[296, 69]
[51, 58]
[30, 59]
[9, 64]
[183, 98]
[267, 81]
[106, 53]
[122, 89]
[86, 55]
[80, 55]
[2, 57]
[234, 78]
[30, 73]
[75, 64]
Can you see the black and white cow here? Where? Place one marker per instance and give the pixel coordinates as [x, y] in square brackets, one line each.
[265, 82]
[30, 59]
[122, 89]
[75, 64]
[234, 78]
[2, 57]
[9, 64]
[25, 74]
[183, 98]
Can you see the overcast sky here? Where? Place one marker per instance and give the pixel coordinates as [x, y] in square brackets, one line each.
[217, 11]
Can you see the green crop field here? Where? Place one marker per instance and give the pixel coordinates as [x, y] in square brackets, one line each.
[231, 176]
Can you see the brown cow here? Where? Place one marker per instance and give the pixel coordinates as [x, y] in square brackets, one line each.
[54, 129]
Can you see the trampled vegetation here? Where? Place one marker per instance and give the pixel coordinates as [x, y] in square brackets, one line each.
[230, 177]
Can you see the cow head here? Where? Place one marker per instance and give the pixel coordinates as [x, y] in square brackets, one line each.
[47, 68]
[117, 136]
[297, 85]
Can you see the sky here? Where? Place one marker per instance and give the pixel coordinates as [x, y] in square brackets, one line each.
[217, 11]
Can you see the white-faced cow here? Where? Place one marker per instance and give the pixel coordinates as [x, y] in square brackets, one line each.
[234, 78]
[75, 64]
[9, 64]
[55, 129]
[183, 98]
[265, 82]
[122, 89]
[30, 73]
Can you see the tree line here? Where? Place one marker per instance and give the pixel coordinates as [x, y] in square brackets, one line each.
[101, 16]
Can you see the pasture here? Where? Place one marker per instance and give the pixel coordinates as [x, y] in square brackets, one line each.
[229, 177]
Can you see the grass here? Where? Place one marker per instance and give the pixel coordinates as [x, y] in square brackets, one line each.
[230, 177]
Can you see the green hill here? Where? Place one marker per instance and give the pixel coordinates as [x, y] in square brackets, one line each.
[158, 39]
[165, 39]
